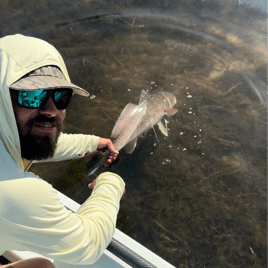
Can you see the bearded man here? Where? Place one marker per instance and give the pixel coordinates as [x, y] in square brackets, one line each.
[35, 91]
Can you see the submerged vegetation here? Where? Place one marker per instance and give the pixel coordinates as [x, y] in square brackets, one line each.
[198, 197]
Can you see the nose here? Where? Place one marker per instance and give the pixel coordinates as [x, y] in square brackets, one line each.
[49, 110]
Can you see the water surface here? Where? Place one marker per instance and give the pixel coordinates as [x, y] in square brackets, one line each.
[198, 197]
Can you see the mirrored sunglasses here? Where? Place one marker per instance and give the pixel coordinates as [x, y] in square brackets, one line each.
[38, 98]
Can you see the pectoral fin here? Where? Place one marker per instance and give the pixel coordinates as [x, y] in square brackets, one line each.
[163, 128]
[170, 112]
[130, 147]
[144, 96]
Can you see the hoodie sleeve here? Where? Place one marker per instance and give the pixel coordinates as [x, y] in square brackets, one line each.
[32, 218]
[71, 146]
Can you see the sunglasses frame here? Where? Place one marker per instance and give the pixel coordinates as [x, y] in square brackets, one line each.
[50, 94]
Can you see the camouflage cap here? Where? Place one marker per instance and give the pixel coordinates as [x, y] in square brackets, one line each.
[47, 77]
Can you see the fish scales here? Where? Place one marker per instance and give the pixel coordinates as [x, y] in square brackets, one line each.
[137, 119]
[154, 113]
[128, 124]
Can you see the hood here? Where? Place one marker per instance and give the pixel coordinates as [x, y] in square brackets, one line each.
[15, 62]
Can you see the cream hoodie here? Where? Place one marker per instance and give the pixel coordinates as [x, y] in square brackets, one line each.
[31, 215]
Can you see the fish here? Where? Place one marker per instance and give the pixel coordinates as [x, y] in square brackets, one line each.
[137, 119]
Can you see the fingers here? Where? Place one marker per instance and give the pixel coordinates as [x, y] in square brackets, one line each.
[92, 185]
[110, 160]
[111, 148]
[113, 153]
[108, 144]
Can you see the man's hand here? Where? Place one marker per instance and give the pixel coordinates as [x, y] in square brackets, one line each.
[107, 143]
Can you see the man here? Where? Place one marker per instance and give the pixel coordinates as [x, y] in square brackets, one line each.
[35, 91]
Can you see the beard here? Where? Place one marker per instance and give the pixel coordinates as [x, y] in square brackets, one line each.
[38, 146]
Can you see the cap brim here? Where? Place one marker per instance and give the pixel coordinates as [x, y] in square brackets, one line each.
[46, 82]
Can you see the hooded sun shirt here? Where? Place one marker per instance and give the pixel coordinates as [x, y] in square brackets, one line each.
[31, 215]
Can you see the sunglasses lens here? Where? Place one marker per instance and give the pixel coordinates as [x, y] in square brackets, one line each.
[62, 98]
[39, 98]
[32, 99]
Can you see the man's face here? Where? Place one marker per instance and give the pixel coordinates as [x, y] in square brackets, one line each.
[39, 128]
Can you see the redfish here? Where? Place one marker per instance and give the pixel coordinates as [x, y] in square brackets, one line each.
[138, 119]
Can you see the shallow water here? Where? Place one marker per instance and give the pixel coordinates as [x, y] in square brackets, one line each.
[198, 197]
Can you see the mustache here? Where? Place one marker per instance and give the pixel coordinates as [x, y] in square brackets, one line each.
[43, 118]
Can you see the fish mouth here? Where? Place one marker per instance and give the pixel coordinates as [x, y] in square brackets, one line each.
[169, 99]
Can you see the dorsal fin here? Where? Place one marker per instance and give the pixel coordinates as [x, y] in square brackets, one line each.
[144, 96]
